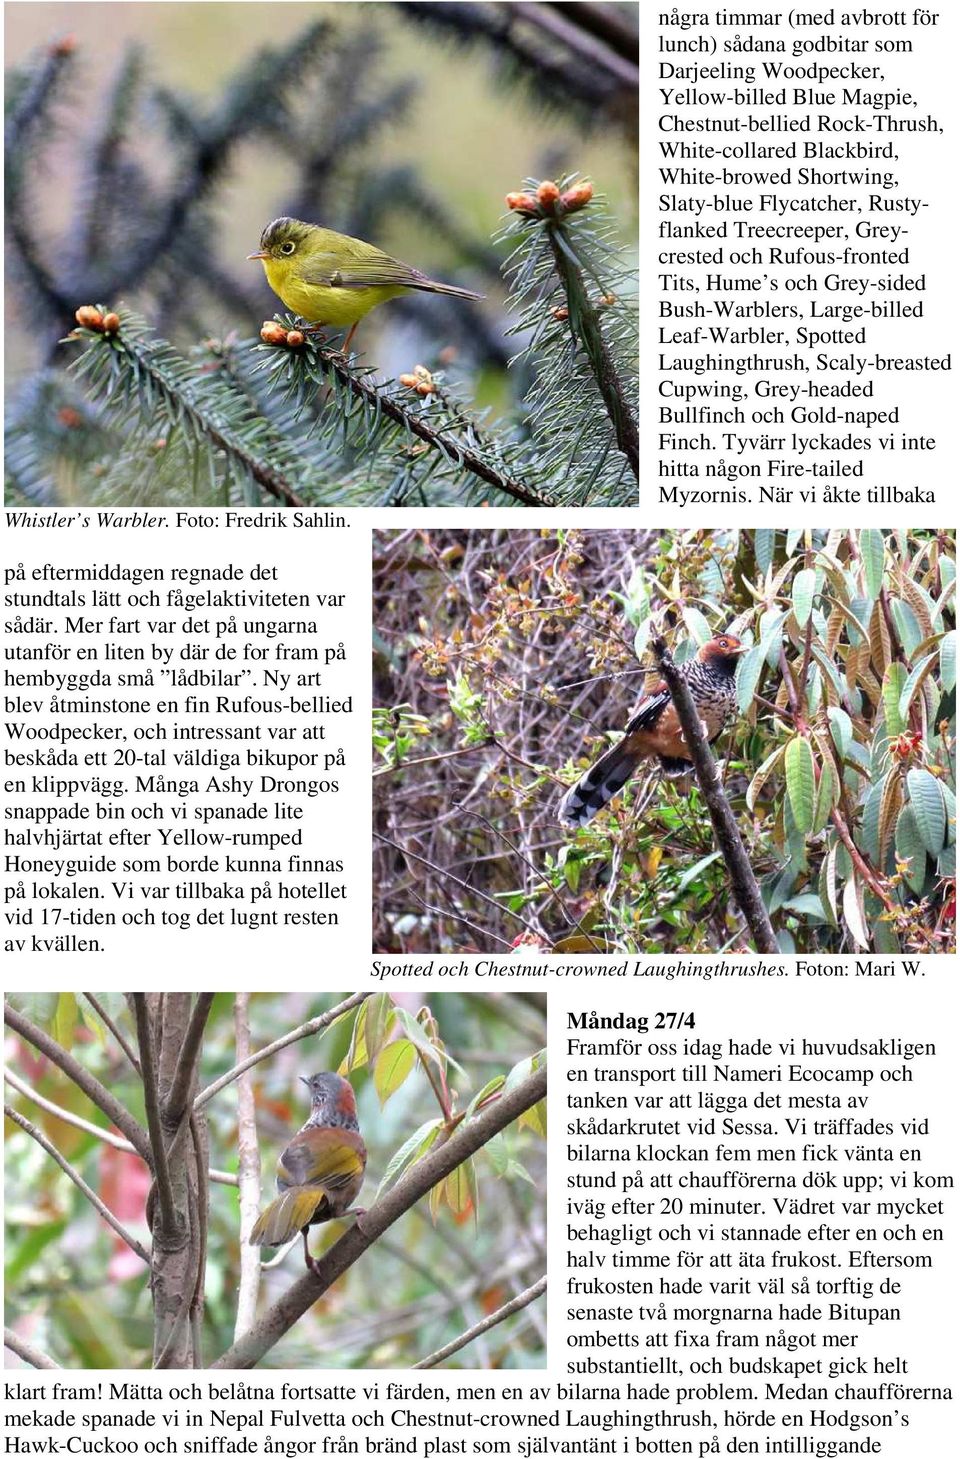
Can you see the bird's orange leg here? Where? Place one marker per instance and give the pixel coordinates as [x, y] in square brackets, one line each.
[351, 333]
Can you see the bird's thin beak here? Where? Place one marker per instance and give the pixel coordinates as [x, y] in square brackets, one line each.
[257, 255]
[304, 1081]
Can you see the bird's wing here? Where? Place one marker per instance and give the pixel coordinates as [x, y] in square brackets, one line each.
[650, 708]
[332, 1163]
[373, 270]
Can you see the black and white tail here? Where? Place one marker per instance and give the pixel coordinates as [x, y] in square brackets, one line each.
[598, 785]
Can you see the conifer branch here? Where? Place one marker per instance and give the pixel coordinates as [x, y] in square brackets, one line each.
[311, 364]
[129, 366]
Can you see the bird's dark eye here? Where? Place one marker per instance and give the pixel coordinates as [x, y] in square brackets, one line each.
[288, 247]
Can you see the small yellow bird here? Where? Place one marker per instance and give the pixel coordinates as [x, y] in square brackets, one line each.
[331, 279]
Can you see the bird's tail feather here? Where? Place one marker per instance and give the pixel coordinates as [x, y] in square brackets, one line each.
[600, 784]
[430, 287]
[286, 1216]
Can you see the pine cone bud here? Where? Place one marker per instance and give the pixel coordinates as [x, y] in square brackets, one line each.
[547, 196]
[89, 317]
[521, 203]
[425, 387]
[272, 333]
[577, 196]
[561, 312]
[295, 338]
[111, 323]
[410, 381]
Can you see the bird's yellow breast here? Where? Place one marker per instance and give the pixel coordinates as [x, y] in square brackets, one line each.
[322, 303]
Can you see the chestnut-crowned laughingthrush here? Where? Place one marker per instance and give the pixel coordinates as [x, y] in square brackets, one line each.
[320, 1172]
[655, 729]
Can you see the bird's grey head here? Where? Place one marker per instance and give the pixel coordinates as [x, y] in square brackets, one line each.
[332, 1101]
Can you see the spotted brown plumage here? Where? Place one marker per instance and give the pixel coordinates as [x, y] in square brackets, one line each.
[655, 730]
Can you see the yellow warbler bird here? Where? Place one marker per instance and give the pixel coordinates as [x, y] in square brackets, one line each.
[331, 279]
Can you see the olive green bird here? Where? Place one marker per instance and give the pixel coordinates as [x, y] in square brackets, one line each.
[331, 279]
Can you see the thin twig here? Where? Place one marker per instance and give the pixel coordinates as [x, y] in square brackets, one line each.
[151, 1100]
[217, 1177]
[465, 885]
[743, 881]
[78, 1180]
[523, 1299]
[410, 1188]
[304, 1031]
[91, 1087]
[104, 1017]
[552, 891]
[248, 1169]
[187, 1059]
[26, 1350]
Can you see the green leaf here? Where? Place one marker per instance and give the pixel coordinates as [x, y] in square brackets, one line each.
[804, 589]
[642, 637]
[394, 1062]
[697, 626]
[417, 1144]
[65, 1020]
[872, 554]
[535, 1118]
[692, 872]
[948, 660]
[926, 801]
[763, 774]
[911, 849]
[853, 913]
[425, 1048]
[748, 673]
[917, 676]
[801, 782]
[764, 541]
[806, 905]
[827, 885]
[827, 794]
[841, 728]
[637, 601]
[894, 683]
[491, 1086]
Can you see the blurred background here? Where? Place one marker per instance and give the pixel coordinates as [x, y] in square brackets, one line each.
[75, 1290]
[172, 133]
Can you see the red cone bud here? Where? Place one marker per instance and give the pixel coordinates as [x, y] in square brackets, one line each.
[547, 196]
[577, 196]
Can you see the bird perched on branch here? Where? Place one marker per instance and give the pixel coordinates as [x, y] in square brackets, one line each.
[332, 279]
[655, 730]
[320, 1172]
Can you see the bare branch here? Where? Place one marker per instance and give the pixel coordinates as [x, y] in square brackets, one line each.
[78, 1180]
[411, 1187]
[92, 1088]
[249, 1173]
[303, 1032]
[218, 1177]
[743, 881]
[151, 1099]
[187, 1059]
[523, 1299]
[26, 1351]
